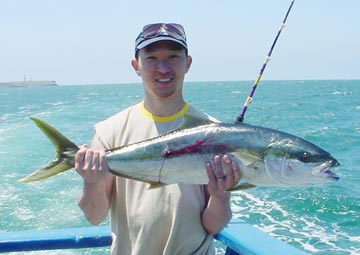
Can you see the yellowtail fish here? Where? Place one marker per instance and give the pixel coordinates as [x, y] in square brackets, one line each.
[266, 157]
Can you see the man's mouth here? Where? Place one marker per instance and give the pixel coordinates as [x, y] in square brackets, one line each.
[163, 80]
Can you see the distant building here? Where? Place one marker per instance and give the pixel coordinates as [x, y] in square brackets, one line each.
[27, 83]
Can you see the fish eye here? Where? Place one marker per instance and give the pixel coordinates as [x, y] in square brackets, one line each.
[304, 157]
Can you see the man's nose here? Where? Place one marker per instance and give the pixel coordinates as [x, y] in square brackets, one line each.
[163, 66]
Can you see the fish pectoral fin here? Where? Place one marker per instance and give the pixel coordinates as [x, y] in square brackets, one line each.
[246, 158]
[242, 186]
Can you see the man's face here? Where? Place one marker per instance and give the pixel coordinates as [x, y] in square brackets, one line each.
[162, 67]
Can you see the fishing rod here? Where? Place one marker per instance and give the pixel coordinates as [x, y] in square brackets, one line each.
[248, 100]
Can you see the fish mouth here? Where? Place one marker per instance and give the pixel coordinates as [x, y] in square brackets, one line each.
[331, 175]
[325, 170]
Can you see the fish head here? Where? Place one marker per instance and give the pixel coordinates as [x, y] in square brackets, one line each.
[296, 162]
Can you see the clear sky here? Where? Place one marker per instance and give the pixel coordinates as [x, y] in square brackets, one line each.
[92, 41]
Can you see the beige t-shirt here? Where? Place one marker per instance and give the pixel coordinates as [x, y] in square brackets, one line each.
[165, 220]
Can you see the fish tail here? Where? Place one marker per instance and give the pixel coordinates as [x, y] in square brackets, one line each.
[65, 154]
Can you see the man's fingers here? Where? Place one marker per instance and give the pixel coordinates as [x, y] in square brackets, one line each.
[88, 162]
[102, 160]
[217, 168]
[80, 157]
[237, 172]
[210, 172]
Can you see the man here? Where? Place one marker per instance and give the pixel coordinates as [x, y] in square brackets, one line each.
[174, 219]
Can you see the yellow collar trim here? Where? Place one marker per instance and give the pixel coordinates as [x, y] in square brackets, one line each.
[167, 118]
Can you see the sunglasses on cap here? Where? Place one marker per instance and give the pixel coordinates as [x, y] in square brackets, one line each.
[158, 32]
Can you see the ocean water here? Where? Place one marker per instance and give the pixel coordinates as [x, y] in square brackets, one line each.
[322, 219]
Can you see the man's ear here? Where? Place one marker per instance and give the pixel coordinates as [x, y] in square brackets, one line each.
[135, 65]
[188, 62]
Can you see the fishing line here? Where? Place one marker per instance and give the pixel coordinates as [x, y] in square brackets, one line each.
[248, 100]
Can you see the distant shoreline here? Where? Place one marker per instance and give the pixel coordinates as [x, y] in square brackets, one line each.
[27, 84]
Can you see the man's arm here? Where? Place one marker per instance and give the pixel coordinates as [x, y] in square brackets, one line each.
[218, 211]
[95, 198]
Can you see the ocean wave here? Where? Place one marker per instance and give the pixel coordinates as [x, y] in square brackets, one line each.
[308, 232]
[321, 221]
[342, 93]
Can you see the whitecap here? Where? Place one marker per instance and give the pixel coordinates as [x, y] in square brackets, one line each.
[341, 93]
[56, 103]
[308, 231]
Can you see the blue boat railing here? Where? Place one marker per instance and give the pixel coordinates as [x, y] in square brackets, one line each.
[238, 237]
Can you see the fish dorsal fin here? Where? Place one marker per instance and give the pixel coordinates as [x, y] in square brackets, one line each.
[191, 120]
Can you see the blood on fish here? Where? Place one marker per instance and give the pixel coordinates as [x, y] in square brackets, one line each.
[194, 148]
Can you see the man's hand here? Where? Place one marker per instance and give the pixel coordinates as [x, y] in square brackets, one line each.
[95, 198]
[223, 174]
[91, 164]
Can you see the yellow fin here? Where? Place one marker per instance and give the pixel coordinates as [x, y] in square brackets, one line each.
[191, 120]
[246, 158]
[242, 186]
[155, 185]
[65, 153]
